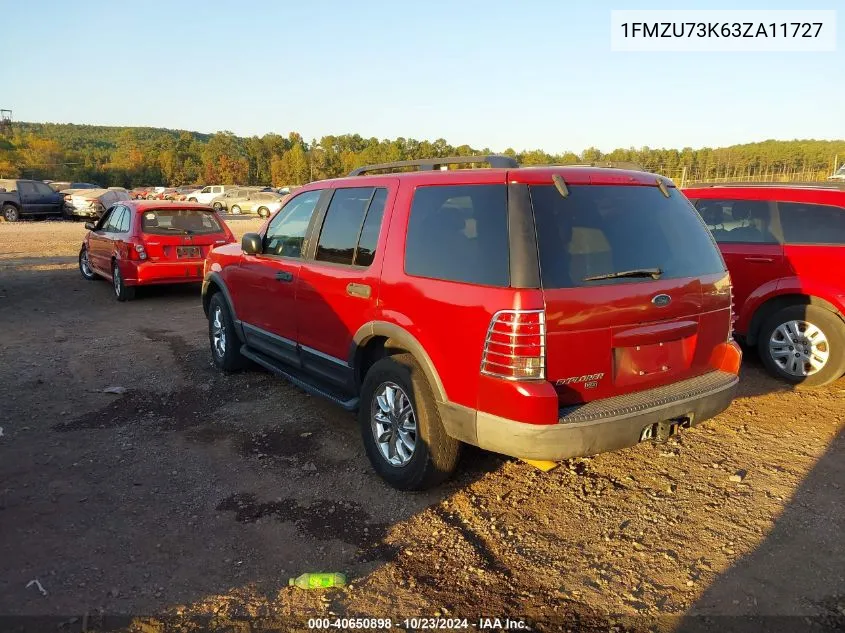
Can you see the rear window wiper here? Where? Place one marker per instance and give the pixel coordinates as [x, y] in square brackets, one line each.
[654, 273]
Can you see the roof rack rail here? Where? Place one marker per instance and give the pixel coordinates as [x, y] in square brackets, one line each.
[800, 185]
[613, 164]
[429, 164]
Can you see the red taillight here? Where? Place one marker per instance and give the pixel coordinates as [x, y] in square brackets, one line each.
[138, 252]
[515, 346]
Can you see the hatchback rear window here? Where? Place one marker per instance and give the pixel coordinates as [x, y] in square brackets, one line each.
[602, 230]
[185, 221]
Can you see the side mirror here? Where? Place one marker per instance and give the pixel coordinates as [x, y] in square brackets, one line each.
[251, 243]
[90, 226]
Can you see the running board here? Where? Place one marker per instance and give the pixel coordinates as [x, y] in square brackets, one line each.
[298, 379]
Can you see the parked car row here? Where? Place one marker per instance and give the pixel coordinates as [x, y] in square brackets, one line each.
[543, 313]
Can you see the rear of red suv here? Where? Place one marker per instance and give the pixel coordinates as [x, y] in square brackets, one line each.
[542, 313]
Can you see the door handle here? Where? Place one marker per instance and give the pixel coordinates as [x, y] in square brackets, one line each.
[358, 290]
[284, 275]
[759, 260]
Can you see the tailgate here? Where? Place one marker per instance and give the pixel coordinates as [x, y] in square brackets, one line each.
[635, 290]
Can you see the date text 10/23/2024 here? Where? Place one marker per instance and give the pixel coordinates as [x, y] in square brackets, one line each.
[420, 623]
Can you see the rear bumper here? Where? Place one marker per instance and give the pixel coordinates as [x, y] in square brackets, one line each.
[608, 424]
[145, 273]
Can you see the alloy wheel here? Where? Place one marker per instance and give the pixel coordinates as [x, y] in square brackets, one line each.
[218, 333]
[394, 424]
[799, 348]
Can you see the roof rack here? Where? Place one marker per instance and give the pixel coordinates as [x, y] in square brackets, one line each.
[429, 164]
[800, 185]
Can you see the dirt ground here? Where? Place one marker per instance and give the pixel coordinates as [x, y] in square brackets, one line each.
[199, 494]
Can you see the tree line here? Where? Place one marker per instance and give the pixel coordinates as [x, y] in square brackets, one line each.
[134, 156]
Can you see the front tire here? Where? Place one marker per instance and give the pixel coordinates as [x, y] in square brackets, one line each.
[85, 265]
[122, 292]
[401, 428]
[217, 207]
[10, 213]
[192, 199]
[235, 210]
[263, 212]
[803, 345]
[225, 345]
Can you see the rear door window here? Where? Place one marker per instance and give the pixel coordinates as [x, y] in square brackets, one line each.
[115, 219]
[746, 221]
[345, 219]
[805, 223]
[599, 230]
[459, 233]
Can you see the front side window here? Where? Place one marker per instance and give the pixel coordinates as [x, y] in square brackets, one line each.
[286, 233]
[600, 230]
[747, 221]
[805, 223]
[343, 225]
[43, 189]
[459, 233]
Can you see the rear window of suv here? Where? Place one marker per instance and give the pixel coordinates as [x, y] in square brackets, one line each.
[598, 230]
[176, 221]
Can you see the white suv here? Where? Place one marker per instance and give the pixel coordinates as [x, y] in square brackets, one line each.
[206, 194]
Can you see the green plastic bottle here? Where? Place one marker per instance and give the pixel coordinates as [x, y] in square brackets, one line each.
[318, 581]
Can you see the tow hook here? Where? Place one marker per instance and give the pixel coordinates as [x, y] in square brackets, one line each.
[662, 431]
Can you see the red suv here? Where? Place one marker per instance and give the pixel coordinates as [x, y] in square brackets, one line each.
[785, 248]
[542, 313]
[140, 243]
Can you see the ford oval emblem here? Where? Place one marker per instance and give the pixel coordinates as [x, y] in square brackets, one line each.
[661, 300]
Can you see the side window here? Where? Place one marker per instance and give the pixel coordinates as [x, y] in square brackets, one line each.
[113, 225]
[342, 225]
[123, 227]
[748, 221]
[812, 223]
[103, 223]
[43, 189]
[459, 233]
[26, 188]
[286, 232]
[369, 232]
[206, 190]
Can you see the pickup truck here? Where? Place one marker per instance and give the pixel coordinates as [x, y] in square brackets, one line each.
[19, 198]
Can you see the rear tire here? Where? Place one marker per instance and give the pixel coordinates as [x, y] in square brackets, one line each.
[398, 382]
[235, 210]
[122, 292]
[192, 199]
[85, 265]
[224, 342]
[794, 335]
[10, 213]
[263, 212]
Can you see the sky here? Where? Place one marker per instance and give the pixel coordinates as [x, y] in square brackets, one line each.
[527, 75]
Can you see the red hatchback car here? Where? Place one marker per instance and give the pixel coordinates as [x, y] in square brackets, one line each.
[139, 243]
[785, 248]
[542, 313]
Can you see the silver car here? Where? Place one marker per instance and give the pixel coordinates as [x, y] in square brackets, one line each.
[248, 200]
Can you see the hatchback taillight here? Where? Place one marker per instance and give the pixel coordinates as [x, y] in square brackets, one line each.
[515, 345]
[138, 252]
